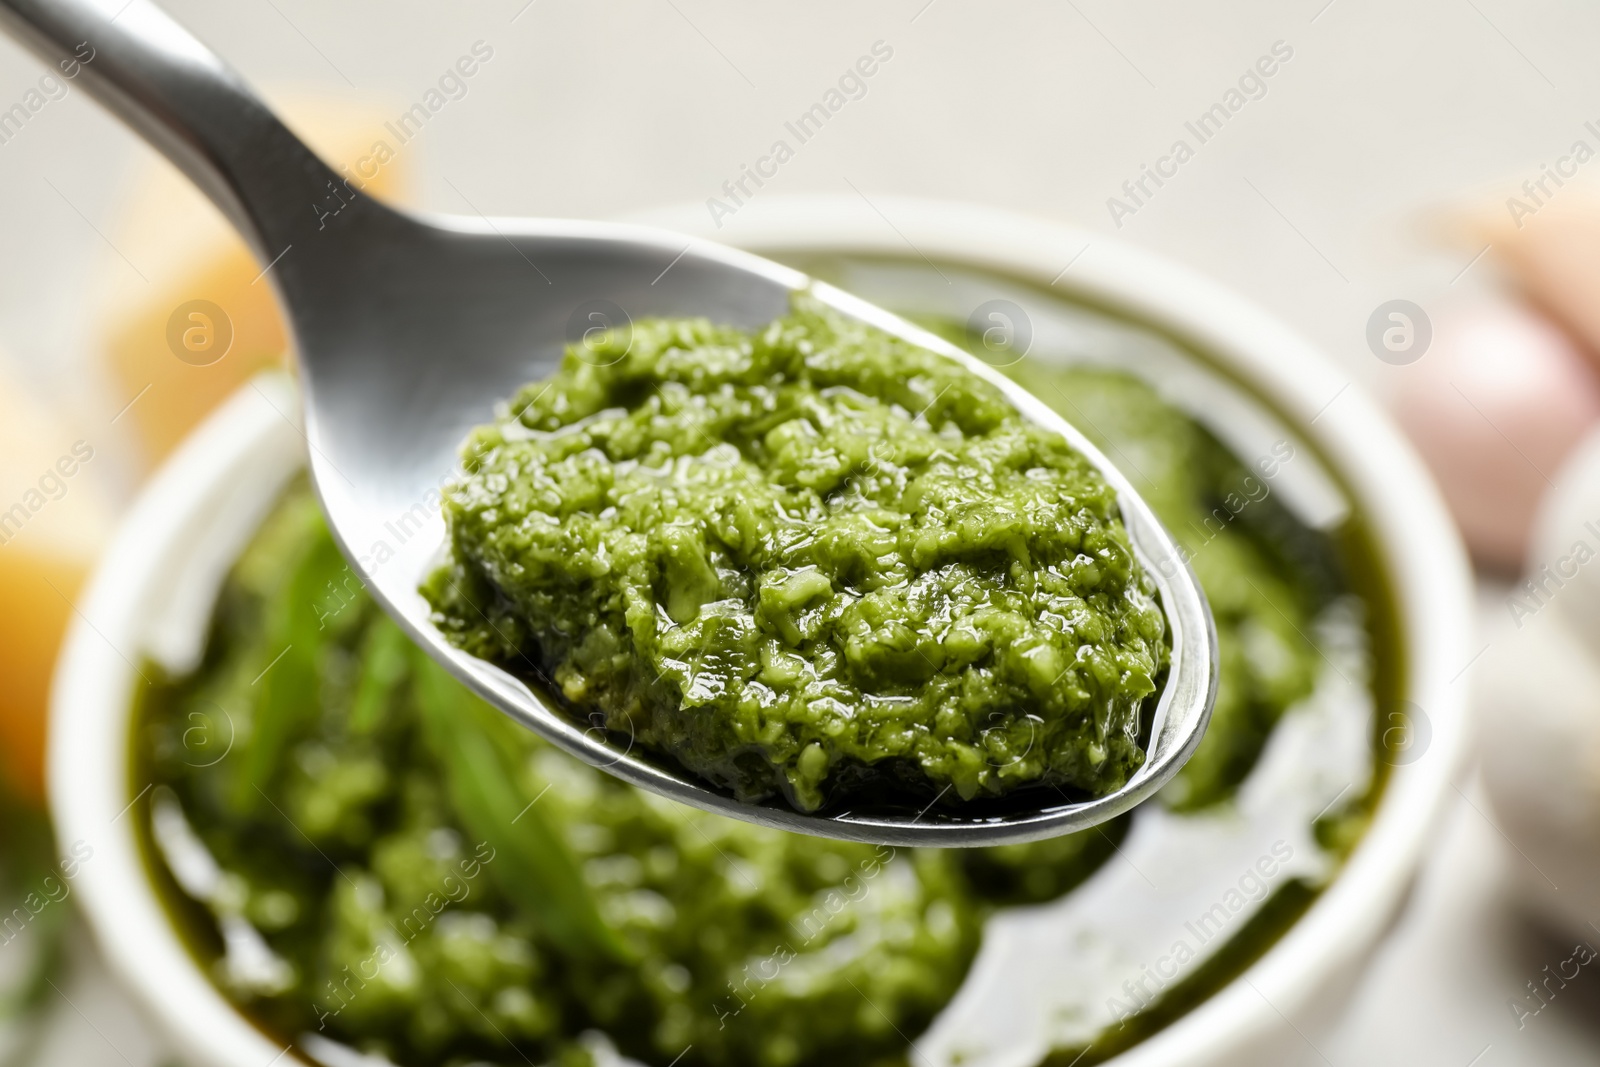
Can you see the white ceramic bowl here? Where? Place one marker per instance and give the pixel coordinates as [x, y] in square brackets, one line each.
[152, 593]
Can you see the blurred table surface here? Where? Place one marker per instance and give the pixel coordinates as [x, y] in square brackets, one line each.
[1313, 200]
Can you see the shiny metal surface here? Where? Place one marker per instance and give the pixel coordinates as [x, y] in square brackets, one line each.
[409, 329]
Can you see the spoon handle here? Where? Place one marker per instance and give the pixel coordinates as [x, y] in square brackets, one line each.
[190, 105]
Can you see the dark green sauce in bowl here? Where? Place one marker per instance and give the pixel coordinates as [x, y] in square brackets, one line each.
[379, 862]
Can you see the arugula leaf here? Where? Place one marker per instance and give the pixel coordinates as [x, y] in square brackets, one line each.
[384, 662]
[533, 865]
[288, 697]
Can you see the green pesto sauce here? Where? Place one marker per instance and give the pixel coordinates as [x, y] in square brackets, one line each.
[440, 887]
[1265, 575]
[805, 558]
[435, 884]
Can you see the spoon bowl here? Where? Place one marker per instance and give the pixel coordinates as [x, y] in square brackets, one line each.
[409, 329]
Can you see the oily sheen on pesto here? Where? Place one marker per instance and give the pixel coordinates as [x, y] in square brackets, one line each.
[806, 561]
[419, 879]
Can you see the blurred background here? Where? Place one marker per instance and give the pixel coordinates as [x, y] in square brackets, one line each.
[1439, 153]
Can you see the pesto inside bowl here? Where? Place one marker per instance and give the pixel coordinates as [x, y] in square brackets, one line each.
[378, 862]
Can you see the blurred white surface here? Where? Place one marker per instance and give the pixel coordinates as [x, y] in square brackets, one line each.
[1310, 201]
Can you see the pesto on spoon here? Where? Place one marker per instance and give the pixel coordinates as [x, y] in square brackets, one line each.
[407, 329]
[811, 560]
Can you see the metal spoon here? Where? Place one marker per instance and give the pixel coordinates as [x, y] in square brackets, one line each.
[409, 329]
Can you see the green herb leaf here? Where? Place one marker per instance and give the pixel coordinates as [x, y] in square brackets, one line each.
[533, 865]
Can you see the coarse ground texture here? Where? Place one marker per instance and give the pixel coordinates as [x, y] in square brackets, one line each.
[805, 560]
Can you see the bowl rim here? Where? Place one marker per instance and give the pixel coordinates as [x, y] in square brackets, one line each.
[90, 763]
[1420, 552]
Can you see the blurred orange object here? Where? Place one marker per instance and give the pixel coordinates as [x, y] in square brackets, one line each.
[1498, 402]
[197, 317]
[53, 522]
